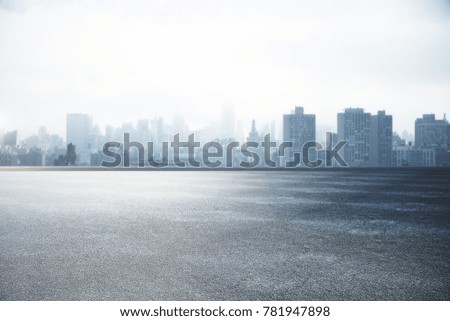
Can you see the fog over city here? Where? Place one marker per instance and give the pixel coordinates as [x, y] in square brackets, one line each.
[125, 60]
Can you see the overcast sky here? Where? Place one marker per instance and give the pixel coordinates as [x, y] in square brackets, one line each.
[125, 60]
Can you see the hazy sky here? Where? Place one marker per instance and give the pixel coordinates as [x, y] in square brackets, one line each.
[124, 60]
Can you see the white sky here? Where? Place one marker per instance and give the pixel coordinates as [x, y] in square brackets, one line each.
[124, 60]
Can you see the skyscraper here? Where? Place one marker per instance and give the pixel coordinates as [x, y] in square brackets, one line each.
[432, 133]
[143, 131]
[79, 131]
[448, 134]
[158, 135]
[354, 127]
[157, 131]
[299, 128]
[254, 136]
[381, 139]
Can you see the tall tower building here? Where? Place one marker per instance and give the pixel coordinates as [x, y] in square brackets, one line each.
[253, 135]
[79, 132]
[143, 131]
[354, 126]
[381, 139]
[157, 131]
[299, 128]
[432, 133]
[157, 136]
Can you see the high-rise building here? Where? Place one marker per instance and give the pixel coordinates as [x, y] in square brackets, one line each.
[79, 131]
[448, 135]
[273, 134]
[157, 130]
[299, 128]
[44, 142]
[110, 133]
[354, 126]
[143, 131]
[42, 134]
[158, 136]
[432, 133]
[96, 140]
[253, 135]
[381, 139]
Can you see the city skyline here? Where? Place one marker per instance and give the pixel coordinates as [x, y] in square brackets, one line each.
[240, 127]
[216, 129]
[366, 140]
[239, 124]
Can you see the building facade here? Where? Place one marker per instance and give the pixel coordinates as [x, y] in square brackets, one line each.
[432, 133]
[79, 133]
[381, 140]
[354, 126]
[299, 128]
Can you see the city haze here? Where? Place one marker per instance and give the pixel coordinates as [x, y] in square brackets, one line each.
[126, 60]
